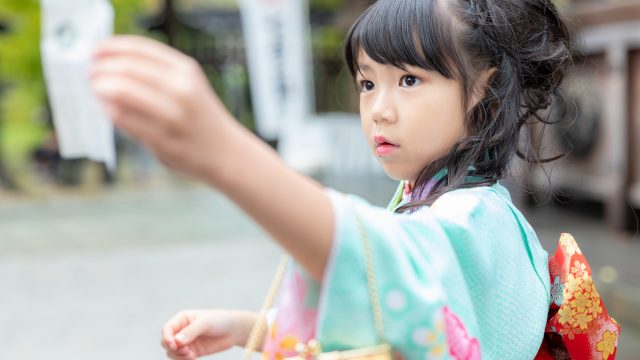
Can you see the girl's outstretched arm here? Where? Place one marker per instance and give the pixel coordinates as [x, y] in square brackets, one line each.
[162, 98]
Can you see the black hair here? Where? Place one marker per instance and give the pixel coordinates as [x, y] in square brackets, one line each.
[525, 42]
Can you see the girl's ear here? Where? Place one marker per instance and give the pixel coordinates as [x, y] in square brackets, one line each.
[480, 86]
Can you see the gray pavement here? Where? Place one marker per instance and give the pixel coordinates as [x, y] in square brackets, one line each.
[95, 277]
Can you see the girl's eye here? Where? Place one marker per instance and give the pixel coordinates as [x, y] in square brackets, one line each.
[409, 81]
[366, 85]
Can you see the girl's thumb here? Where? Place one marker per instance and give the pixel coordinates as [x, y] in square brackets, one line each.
[191, 332]
[181, 339]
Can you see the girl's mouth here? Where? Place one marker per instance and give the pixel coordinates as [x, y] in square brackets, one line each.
[383, 146]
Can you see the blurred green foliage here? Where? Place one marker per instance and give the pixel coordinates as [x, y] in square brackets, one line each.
[325, 4]
[186, 5]
[21, 76]
[23, 116]
[22, 110]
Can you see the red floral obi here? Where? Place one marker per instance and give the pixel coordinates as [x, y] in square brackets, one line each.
[578, 326]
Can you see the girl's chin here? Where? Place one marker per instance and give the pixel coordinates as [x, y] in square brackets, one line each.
[394, 173]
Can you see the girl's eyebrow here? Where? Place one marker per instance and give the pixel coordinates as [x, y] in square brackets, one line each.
[364, 67]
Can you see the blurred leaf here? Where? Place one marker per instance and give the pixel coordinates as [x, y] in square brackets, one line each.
[325, 4]
[23, 99]
[327, 41]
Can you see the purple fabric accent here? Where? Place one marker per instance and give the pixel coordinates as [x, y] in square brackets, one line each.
[424, 191]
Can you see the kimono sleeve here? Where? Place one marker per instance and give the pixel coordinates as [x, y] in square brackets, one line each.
[414, 263]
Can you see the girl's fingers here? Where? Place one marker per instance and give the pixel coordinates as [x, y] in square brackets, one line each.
[192, 331]
[178, 83]
[127, 95]
[179, 320]
[181, 354]
[213, 347]
[142, 47]
[175, 324]
[167, 341]
[173, 355]
[138, 127]
[141, 70]
[184, 353]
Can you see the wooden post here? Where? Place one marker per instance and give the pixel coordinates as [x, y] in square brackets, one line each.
[165, 22]
[616, 209]
[611, 27]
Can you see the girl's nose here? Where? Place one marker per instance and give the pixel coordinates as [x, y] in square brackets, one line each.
[382, 109]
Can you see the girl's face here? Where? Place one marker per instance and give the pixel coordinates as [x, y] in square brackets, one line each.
[410, 118]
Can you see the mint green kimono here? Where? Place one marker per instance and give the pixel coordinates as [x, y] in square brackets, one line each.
[465, 278]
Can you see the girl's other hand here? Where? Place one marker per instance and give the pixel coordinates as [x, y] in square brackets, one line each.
[194, 333]
[162, 98]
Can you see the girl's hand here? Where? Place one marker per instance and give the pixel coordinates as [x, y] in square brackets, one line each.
[191, 334]
[162, 97]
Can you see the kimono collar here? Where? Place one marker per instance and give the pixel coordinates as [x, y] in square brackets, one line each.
[405, 193]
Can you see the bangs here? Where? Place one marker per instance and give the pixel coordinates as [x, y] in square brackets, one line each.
[404, 33]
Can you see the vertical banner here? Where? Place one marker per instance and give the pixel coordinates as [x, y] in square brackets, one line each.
[277, 40]
[70, 31]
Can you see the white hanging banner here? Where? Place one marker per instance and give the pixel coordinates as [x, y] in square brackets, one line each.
[276, 34]
[71, 29]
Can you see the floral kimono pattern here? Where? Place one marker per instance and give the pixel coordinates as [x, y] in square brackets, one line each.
[464, 278]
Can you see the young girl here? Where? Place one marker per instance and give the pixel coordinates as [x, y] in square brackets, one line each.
[445, 88]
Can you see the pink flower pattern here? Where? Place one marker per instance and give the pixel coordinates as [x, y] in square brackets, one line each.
[294, 321]
[461, 346]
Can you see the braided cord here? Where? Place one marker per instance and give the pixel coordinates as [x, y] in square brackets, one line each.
[371, 280]
[259, 329]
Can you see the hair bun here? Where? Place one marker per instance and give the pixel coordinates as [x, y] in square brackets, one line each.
[532, 34]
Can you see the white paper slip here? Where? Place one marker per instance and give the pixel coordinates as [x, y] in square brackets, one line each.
[71, 29]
